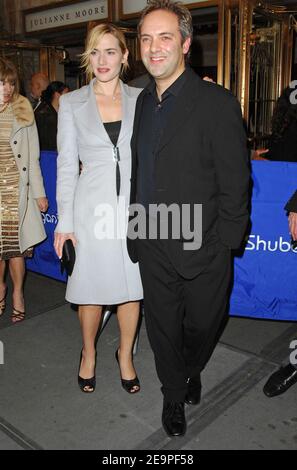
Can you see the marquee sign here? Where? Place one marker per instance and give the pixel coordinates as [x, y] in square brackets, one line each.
[66, 15]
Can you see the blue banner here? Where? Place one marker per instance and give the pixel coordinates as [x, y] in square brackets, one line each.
[45, 261]
[265, 283]
[264, 277]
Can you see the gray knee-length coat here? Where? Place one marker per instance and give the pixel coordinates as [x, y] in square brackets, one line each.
[88, 204]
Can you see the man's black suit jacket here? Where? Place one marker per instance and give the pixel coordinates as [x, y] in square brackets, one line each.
[202, 159]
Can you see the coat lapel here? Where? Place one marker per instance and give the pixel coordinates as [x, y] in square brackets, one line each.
[85, 111]
[138, 111]
[128, 107]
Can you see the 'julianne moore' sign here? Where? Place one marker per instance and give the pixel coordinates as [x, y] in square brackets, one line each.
[66, 15]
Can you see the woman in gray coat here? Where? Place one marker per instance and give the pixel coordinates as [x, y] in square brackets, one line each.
[22, 195]
[95, 126]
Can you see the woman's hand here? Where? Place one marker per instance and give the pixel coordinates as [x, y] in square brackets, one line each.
[42, 203]
[60, 238]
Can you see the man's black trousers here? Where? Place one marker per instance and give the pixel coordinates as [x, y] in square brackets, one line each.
[183, 317]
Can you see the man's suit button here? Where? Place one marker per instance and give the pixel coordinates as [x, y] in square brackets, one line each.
[24, 169]
[15, 142]
[19, 155]
[27, 184]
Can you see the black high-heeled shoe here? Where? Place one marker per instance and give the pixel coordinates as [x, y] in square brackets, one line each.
[86, 385]
[128, 385]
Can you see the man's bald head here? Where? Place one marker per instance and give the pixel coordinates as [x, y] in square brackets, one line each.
[39, 82]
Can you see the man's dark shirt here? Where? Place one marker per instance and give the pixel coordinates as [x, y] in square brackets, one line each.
[47, 122]
[154, 117]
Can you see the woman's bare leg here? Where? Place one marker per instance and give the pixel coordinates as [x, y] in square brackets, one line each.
[128, 317]
[17, 274]
[89, 317]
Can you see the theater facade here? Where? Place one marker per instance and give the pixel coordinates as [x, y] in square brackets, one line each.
[247, 46]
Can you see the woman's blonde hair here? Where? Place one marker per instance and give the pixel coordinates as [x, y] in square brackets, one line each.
[93, 37]
[8, 72]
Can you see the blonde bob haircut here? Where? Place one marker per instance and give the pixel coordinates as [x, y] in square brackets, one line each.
[8, 72]
[93, 37]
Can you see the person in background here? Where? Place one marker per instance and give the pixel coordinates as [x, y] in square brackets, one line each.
[283, 147]
[283, 143]
[281, 380]
[46, 115]
[22, 195]
[39, 82]
[95, 125]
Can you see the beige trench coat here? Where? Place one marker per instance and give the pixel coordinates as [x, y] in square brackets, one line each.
[25, 146]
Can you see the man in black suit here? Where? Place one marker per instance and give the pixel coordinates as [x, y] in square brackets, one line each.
[188, 148]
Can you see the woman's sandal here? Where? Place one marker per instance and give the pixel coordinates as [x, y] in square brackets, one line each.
[3, 303]
[128, 385]
[17, 316]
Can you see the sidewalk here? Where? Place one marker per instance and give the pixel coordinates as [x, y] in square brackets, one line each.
[41, 406]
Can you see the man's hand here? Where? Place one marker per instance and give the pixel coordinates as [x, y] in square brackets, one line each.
[293, 225]
[42, 204]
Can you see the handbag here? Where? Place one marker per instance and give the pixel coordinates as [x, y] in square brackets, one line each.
[68, 257]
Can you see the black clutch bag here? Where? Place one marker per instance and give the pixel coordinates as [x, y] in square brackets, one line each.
[68, 257]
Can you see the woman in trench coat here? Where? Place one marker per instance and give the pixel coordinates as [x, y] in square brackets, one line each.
[22, 195]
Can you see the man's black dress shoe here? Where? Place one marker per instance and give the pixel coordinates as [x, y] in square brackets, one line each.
[173, 418]
[280, 381]
[193, 395]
